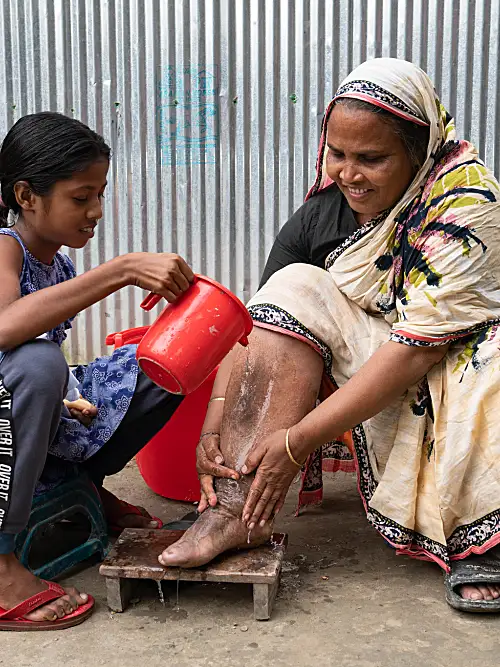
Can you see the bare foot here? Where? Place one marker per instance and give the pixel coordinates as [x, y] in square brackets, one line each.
[17, 585]
[118, 512]
[480, 591]
[218, 529]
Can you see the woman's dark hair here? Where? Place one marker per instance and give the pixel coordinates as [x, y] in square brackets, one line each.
[42, 149]
[415, 137]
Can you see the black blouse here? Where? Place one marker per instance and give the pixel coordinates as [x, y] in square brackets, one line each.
[318, 227]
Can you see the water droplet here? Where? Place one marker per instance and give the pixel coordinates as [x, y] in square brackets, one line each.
[177, 597]
[160, 592]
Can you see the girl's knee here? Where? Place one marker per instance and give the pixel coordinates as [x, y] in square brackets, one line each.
[40, 363]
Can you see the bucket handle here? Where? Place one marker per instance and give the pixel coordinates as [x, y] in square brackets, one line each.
[153, 299]
[150, 301]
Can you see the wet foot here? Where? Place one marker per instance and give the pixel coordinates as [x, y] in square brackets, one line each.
[17, 585]
[213, 533]
[217, 530]
[119, 515]
[480, 591]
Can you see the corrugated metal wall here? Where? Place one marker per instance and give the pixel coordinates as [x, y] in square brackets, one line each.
[213, 110]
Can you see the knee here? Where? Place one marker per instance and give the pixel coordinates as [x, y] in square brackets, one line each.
[302, 277]
[41, 365]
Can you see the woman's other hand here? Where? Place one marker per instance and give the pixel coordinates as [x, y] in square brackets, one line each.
[275, 473]
[166, 274]
[209, 464]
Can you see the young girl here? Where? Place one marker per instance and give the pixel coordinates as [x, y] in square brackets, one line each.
[53, 176]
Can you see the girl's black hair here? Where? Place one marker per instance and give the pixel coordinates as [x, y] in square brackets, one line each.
[415, 137]
[42, 149]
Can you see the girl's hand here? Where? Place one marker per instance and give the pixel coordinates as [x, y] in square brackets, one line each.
[275, 473]
[166, 274]
[209, 462]
[82, 410]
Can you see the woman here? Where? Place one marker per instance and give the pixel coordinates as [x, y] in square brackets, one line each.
[404, 322]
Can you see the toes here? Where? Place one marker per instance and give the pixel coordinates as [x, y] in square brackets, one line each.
[485, 591]
[42, 614]
[74, 594]
[57, 608]
[480, 592]
[494, 591]
[470, 593]
[63, 606]
[67, 605]
[169, 556]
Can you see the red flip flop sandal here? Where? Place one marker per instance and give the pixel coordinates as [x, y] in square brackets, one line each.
[115, 529]
[12, 619]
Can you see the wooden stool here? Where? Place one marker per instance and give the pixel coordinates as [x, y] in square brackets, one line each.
[135, 556]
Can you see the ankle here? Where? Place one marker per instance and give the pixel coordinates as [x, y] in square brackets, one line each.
[8, 562]
[232, 494]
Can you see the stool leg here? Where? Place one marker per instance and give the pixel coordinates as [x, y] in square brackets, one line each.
[263, 599]
[118, 592]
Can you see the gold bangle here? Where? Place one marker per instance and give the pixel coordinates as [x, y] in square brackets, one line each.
[217, 398]
[287, 447]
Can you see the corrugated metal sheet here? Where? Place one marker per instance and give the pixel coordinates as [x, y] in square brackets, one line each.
[213, 110]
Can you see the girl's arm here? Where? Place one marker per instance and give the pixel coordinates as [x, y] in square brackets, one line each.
[23, 319]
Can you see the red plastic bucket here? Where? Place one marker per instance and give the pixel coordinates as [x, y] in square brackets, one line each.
[168, 462]
[127, 337]
[192, 336]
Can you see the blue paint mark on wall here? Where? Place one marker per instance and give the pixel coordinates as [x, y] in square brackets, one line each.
[189, 115]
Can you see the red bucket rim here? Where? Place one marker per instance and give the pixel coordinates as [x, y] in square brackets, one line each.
[227, 292]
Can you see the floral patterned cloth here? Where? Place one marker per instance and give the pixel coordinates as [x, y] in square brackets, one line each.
[108, 382]
[425, 273]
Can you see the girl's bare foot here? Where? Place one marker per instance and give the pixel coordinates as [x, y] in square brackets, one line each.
[118, 513]
[17, 585]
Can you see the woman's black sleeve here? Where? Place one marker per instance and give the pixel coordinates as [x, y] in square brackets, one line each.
[292, 245]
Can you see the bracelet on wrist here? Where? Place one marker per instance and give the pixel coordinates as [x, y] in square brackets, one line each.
[288, 451]
[216, 398]
[207, 433]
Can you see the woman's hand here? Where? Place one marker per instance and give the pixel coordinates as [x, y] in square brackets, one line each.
[275, 473]
[166, 274]
[82, 410]
[209, 464]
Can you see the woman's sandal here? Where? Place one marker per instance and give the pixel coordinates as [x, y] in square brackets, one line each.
[182, 524]
[126, 508]
[12, 619]
[484, 569]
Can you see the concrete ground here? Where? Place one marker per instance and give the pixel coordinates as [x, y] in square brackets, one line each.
[345, 600]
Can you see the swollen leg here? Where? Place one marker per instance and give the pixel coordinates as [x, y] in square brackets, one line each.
[273, 385]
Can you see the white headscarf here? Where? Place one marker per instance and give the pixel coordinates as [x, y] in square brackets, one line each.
[405, 90]
[450, 214]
